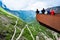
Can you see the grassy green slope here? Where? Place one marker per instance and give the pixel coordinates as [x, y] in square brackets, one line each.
[42, 32]
[8, 21]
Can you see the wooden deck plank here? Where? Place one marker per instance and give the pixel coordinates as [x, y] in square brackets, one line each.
[52, 21]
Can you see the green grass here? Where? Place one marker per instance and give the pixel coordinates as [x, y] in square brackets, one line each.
[7, 28]
[8, 20]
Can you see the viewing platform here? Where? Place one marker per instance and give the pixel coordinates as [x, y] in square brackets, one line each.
[50, 21]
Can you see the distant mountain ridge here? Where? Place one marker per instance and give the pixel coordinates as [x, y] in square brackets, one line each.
[0, 4]
[27, 16]
[56, 9]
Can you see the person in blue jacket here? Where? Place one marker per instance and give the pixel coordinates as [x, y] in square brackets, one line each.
[48, 12]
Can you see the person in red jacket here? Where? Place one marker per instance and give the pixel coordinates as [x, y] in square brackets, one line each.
[52, 12]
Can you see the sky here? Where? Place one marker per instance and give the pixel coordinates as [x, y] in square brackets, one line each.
[30, 4]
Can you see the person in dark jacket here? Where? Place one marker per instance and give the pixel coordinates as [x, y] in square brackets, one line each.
[37, 11]
[43, 11]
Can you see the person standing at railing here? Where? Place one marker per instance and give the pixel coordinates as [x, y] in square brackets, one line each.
[43, 11]
[48, 11]
[52, 12]
[37, 11]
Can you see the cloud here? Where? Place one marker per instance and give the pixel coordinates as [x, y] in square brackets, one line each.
[37, 5]
[30, 4]
[18, 4]
[51, 3]
[43, 4]
[15, 4]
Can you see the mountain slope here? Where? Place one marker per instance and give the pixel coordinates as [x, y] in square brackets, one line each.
[26, 15]
[12, 28]
[8, 24]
